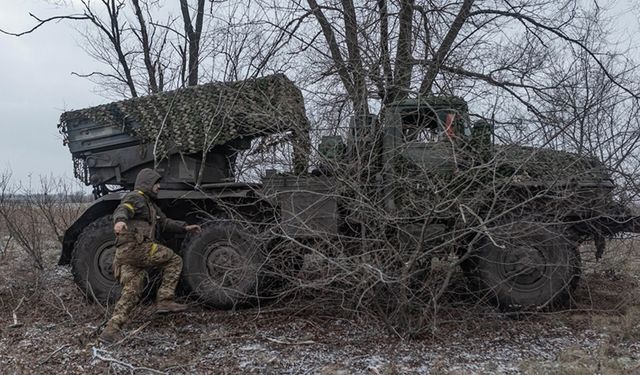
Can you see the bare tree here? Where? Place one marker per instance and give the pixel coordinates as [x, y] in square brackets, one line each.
[112, 27]
[433, 46]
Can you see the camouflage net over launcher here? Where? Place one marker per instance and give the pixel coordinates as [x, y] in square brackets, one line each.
[193, 119]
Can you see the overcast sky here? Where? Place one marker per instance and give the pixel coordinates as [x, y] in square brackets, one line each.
[36, 87]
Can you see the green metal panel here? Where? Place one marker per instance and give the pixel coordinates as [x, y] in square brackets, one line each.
[308, 205]
[434, 157]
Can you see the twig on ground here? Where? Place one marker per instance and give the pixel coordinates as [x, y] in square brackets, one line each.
[287, 341]
[5, 247]
[130, 335]
[16, 324]
[103, 355]
[52, 354]
[138, 329]
[64, 307]
[97, 301]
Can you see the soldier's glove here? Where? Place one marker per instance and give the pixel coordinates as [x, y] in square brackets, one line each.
[120, 227]
[193, 229]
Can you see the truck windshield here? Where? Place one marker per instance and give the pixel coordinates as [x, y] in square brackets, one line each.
[429, 126]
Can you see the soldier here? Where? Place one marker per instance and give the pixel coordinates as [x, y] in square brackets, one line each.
[136, 221]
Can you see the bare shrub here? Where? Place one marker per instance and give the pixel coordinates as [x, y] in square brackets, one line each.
[59, 201]
[402, 261]
[37, 218]
[22, 221]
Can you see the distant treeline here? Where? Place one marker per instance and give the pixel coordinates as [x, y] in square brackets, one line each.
[76, 197]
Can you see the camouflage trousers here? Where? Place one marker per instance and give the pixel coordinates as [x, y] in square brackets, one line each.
[130, 264]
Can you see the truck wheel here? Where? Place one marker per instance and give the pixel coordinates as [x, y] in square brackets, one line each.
[222, 265]
[92, 261]
[525, 266]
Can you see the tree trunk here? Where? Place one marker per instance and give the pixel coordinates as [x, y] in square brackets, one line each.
[193, 39]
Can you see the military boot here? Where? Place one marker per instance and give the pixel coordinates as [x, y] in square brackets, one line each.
[170, 306]
[110, 334]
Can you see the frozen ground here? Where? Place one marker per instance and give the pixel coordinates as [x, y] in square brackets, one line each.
[56, 332]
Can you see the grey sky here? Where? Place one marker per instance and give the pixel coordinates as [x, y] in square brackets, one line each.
[36, 87]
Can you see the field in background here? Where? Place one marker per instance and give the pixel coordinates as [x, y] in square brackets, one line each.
[47, 326]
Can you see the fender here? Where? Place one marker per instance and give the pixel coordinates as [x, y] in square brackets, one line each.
[103, 206]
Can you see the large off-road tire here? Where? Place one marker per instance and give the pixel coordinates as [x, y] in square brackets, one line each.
[92, 261]
[222, 265]
[524, 266]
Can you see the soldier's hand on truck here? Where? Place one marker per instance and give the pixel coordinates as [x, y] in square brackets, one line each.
[120, 227]
[194, 228]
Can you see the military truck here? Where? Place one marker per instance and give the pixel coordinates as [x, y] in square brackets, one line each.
[513, 215]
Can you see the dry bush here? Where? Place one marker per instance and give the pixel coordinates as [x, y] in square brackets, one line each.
[36, 218]
[22, 221]
[403, 267]
[59, 201]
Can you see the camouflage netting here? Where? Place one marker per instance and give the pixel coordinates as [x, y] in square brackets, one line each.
[546, 164]
[197, 118]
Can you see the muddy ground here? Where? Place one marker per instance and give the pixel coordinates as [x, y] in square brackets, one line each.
[55, 331]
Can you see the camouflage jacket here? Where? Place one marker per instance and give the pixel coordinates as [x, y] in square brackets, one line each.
[143, 217]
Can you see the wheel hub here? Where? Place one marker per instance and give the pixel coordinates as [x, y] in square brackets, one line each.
[224, 264]
[106, 254]
[523, 265]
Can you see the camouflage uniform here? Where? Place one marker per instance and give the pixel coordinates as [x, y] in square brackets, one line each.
[136, 249]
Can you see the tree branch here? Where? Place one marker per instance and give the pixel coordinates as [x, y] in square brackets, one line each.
[563, 36]
[445, 47]
[43, 21]
[334, 49]
[146, 47]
